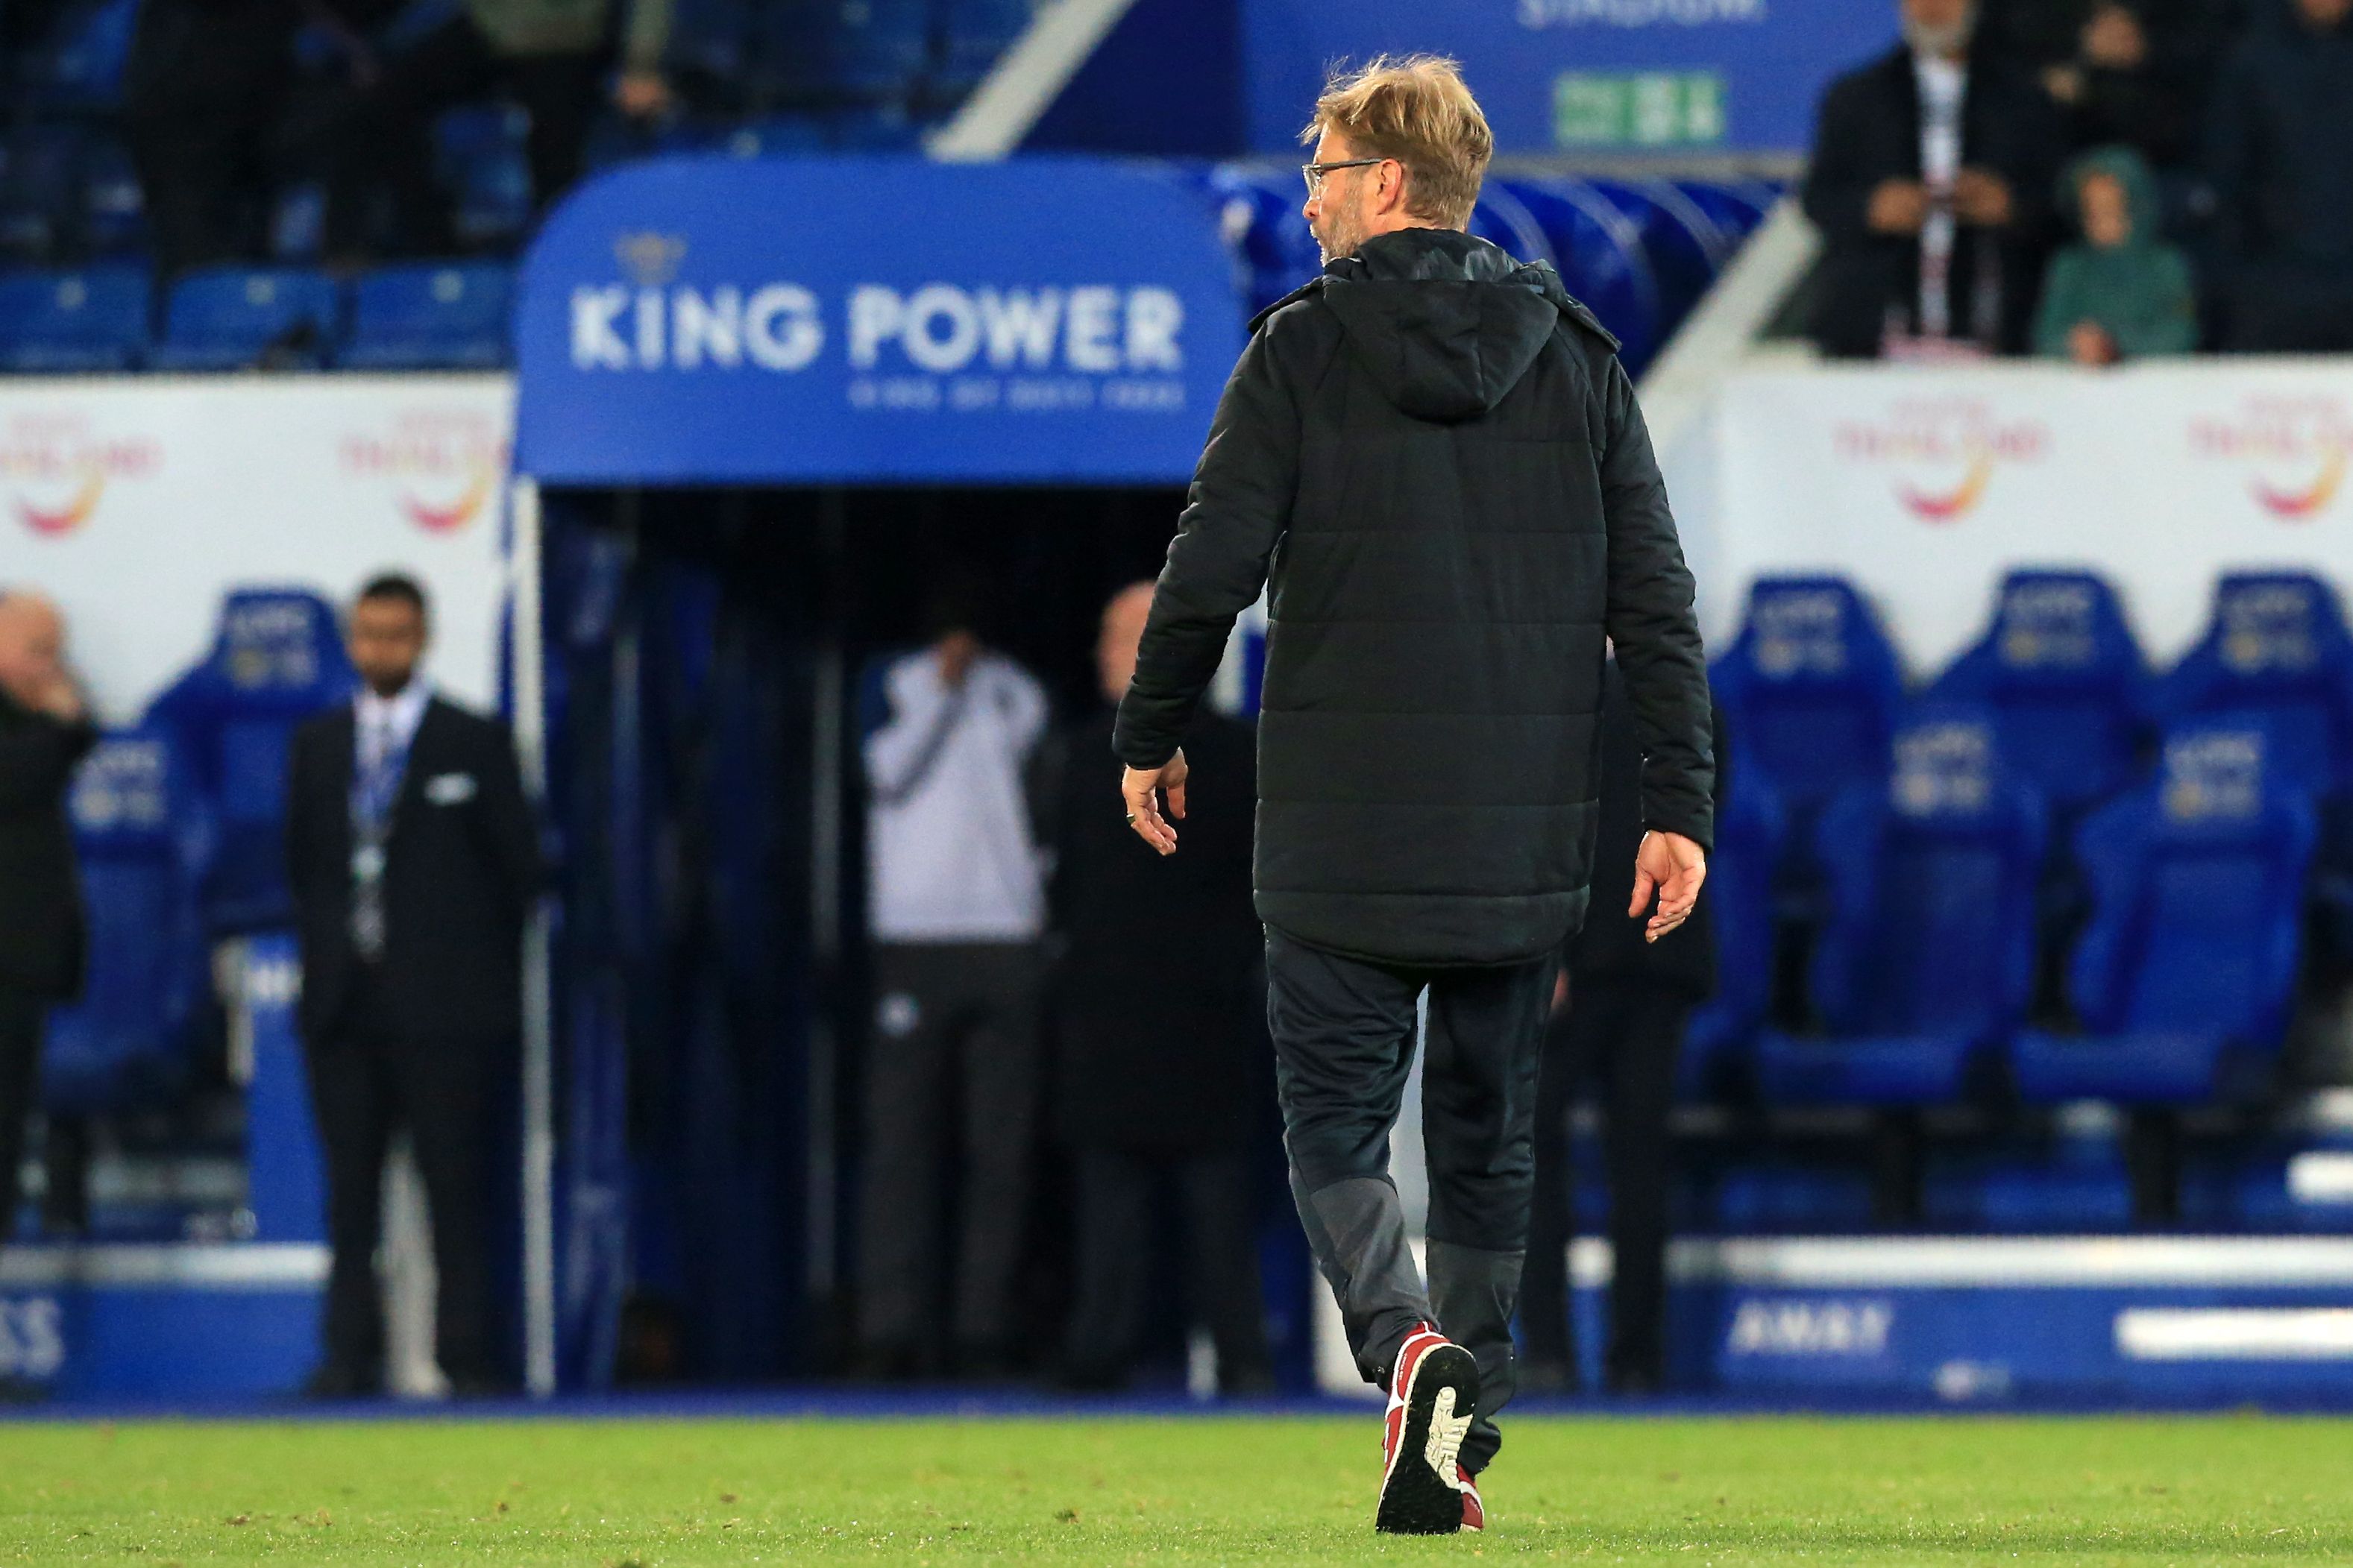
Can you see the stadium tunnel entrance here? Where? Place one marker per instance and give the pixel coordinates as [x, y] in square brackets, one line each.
[748, 453]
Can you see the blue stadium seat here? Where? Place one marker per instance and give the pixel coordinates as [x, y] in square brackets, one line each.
[838, 51]
[2277, 647]
[2065, 683]
[1599, 250]
[430, 315]
[233, 318]
[483, 155]
[40, 190]
[78, 67]
[60, 323]
[276, 658]
[1811, 689]
[1748, 832]
[114, 205]
[1258, 215]
[1736, 208]
[1684, 248]
[1928, 954]
[140, 840]
[2184, 977]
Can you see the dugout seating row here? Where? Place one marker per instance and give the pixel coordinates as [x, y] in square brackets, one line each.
[447, 315]
[2045, 808]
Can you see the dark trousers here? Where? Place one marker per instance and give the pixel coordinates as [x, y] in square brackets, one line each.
[1344, 1044]
[955, 1049]
[205, 174]
[378, 140]
[1628, 1034]
[365, 1085]
[1116, 1236]
[20, 1079]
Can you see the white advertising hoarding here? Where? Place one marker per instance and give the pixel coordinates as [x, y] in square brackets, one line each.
[137, 502]
[1924, 486]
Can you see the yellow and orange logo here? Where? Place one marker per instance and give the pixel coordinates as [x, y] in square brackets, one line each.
[55, 468]
[442, 465]
[1945, 452]
[2295, 451]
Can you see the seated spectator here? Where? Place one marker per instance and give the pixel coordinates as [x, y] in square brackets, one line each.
[2120, 292]
[2129, 71]
[548, 53]
[2281, 159]
[1930, 183]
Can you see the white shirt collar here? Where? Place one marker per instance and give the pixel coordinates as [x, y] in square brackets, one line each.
[398, 715]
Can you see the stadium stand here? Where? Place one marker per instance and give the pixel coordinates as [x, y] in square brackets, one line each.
[276, 658]
[238, 317]
[429, 315]
[69, 322]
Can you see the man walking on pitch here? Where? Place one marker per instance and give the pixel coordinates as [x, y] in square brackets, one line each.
[1431, 457]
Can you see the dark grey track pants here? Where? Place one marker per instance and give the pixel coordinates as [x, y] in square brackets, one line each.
[1344, 1044]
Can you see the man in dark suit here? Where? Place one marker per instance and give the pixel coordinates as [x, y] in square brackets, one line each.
[45, 727]
[1155, 1007]
[1932, 183]
[414, 858]
[1626, 1003]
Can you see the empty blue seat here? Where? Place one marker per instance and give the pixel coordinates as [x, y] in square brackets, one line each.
[1928, 957]
[276, 658]
[233, 318]
[1259, 217]
[430, 314]
[2184, 976]
[1748, 831]
[141, 842]
[1685, 249]
[2065, 683]
[63, 322]
[2277, 647]
[1811, 689]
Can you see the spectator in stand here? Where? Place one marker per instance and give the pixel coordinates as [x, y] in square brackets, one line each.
[550, 55]
[1157, 1007]
[203, 93]
[2281, 160]
[955, 904]
[1931, 182]
[2128, 71]
[45, 729]
[2120, 292]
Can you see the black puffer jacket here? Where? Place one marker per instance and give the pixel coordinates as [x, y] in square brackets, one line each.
[1433, 456]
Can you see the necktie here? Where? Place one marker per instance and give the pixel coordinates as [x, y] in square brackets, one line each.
[373, 794]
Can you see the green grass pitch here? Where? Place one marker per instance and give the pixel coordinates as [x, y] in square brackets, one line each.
[1270, 1489]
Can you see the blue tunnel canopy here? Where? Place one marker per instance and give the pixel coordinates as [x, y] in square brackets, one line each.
[874, 321]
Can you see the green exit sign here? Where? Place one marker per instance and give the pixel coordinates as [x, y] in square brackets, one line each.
[1640, 108]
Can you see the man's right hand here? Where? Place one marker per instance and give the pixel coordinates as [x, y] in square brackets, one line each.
[1672, 867]
[1897, 207]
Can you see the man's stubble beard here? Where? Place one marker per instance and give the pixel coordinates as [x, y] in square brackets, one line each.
[1336, 240]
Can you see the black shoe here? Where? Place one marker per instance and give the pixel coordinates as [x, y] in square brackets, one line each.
[334, 1381]
[1255, 1381]
[886, 1363]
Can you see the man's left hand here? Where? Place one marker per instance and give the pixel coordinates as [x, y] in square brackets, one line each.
[1142, 786]
[1672, 867]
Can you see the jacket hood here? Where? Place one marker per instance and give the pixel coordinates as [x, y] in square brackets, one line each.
[2129, 169]
[1443, 322]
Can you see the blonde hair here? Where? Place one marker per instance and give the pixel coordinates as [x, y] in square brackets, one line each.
[1418, 110]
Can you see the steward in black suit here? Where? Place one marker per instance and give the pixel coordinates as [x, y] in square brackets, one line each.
[43, 734]
[413, 1023]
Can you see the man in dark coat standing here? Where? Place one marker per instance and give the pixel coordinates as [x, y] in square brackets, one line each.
[1431, 457]
[1626, 1000]
[1931, 182]
[1154, 1008]
[414, 858]
[45, 729]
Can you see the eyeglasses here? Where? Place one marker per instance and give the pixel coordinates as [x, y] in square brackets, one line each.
[1314, 172]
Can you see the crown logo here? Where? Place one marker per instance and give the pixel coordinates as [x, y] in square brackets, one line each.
[650, 259]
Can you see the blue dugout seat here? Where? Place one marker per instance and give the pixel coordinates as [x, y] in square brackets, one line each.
[2184, 977]
[141, 838]
[430, 315]
[233, 318]
[1599, 250]
[1928, 957]
[1810, 688]
[68, 322]
[2276, 648]
[1749, 834]
[2065, 684]
[276, 658]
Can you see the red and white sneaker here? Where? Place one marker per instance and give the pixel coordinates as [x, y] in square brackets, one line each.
[1433, 1397]
[1474, 1512]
